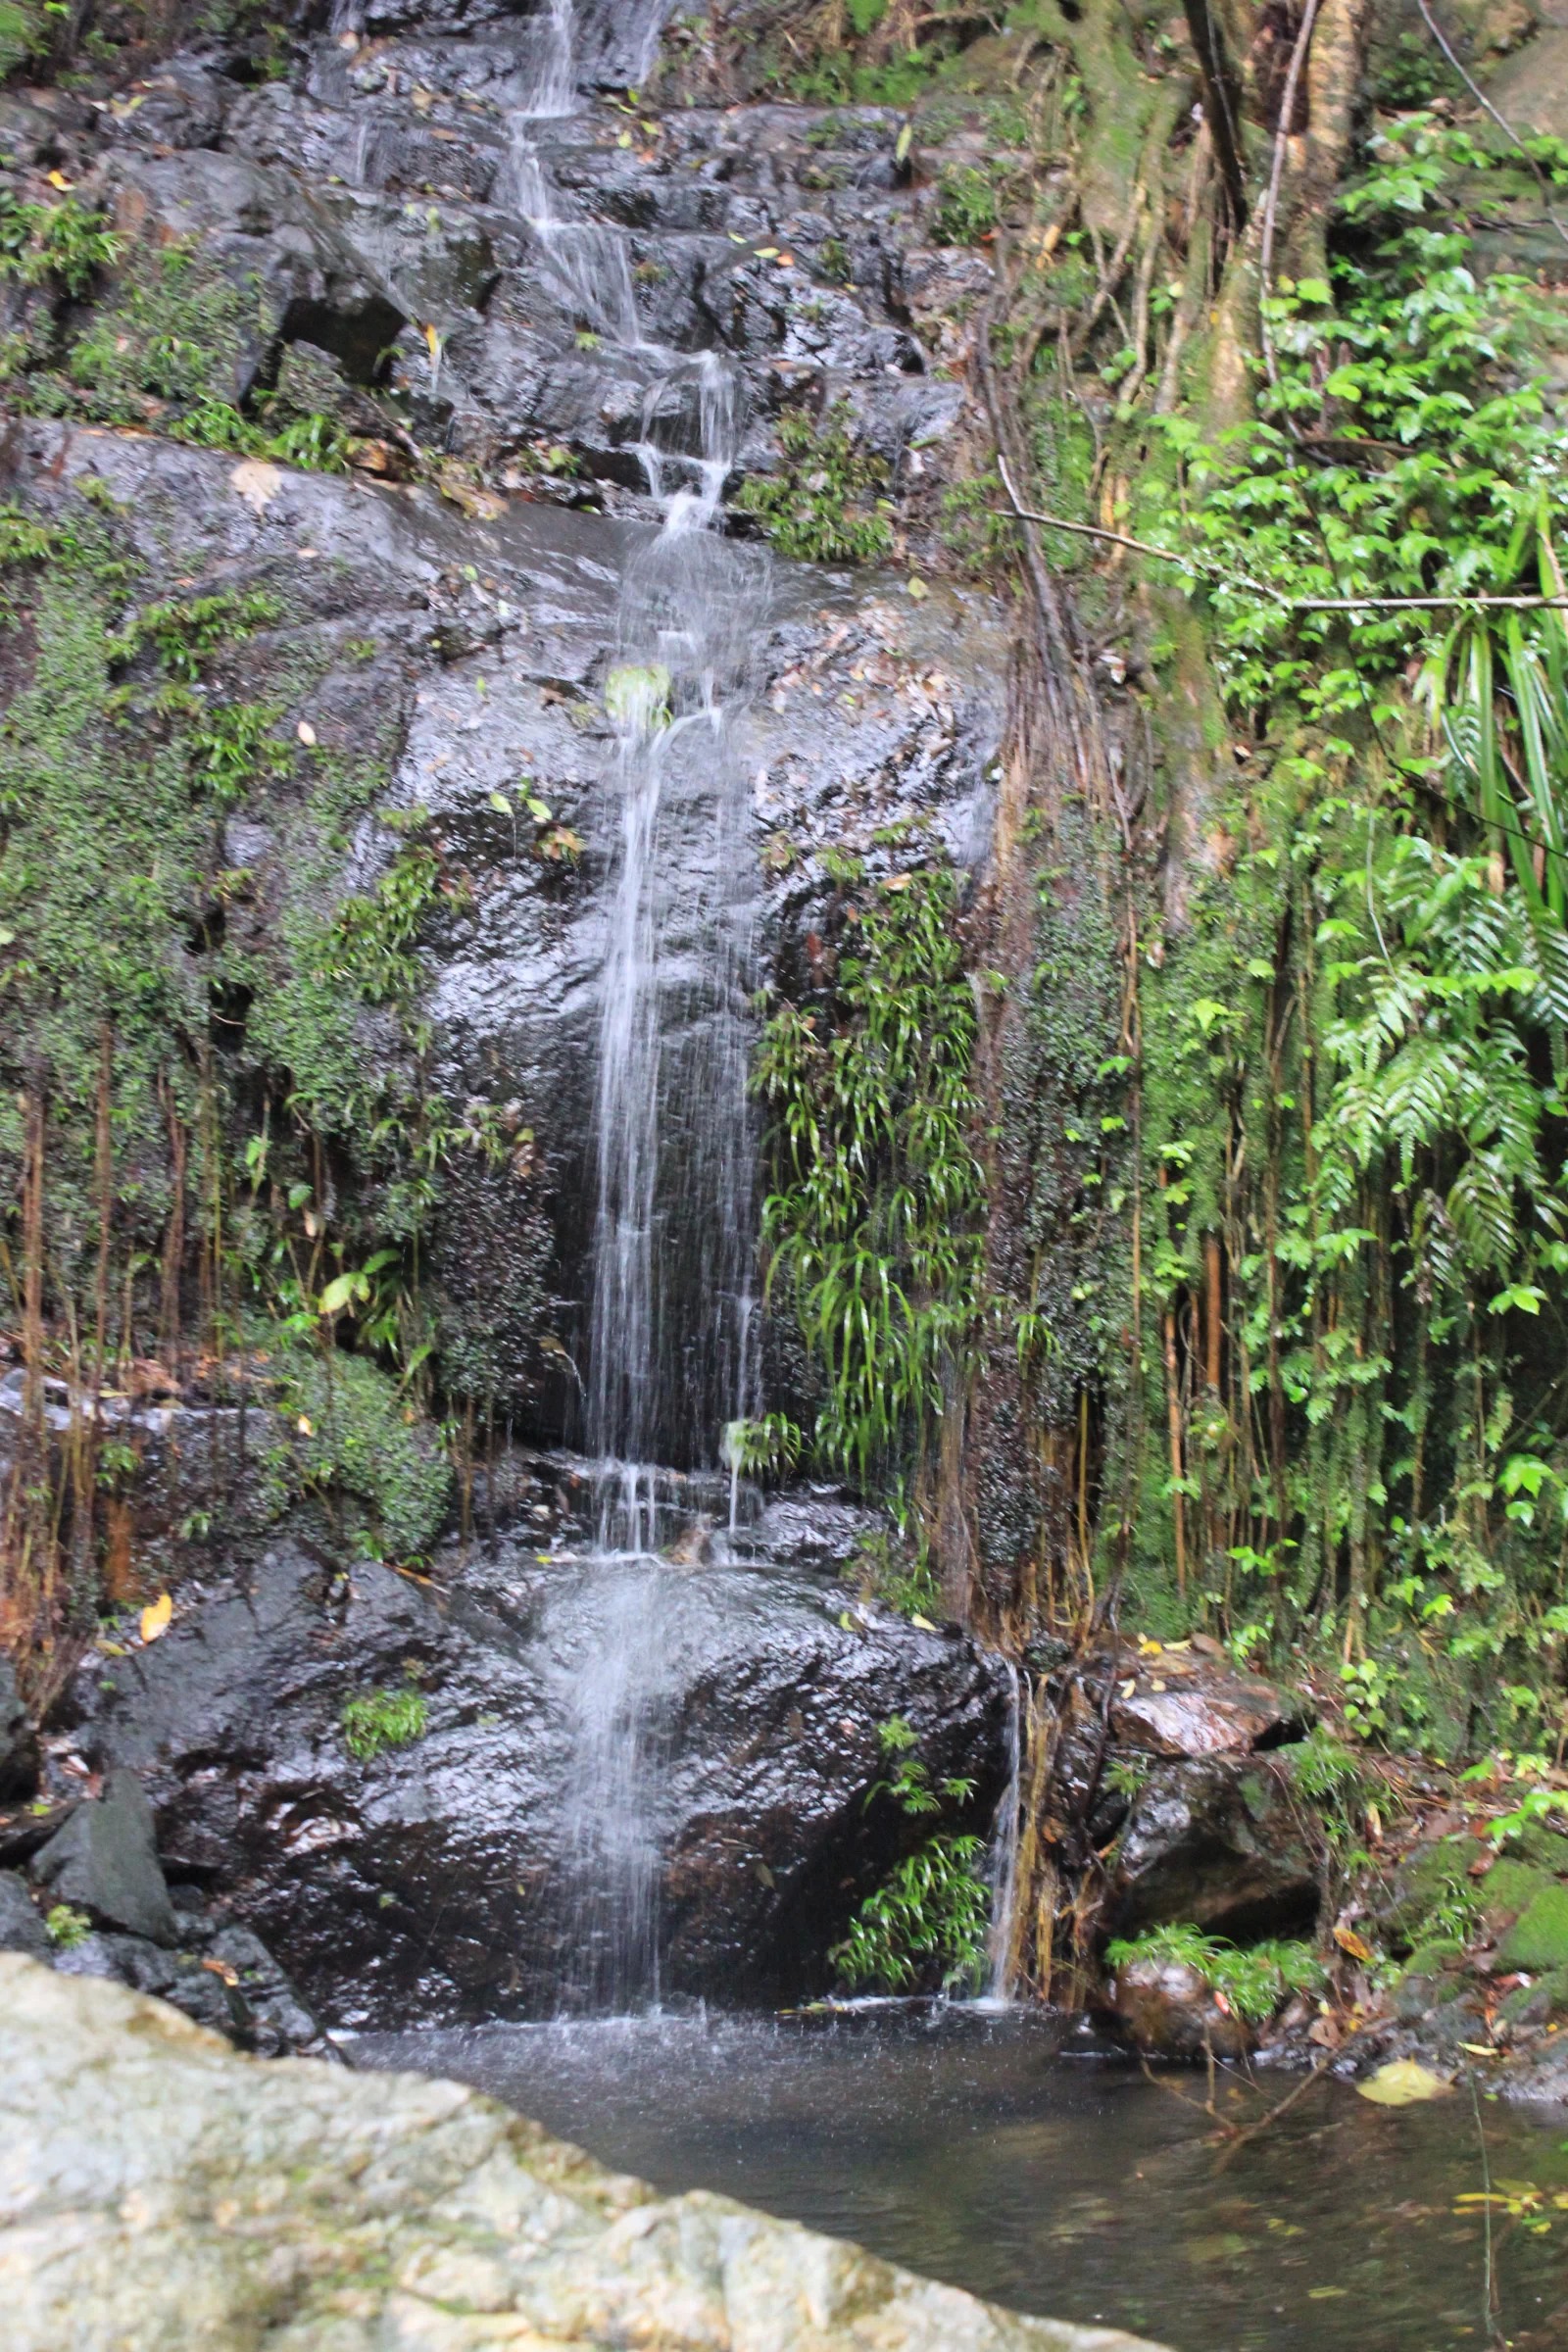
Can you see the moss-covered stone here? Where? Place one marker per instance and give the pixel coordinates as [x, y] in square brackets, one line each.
[1539, 1937]
[1432, 1958]
[1537, 2004]
[1510, 1886]
[1425, 1884]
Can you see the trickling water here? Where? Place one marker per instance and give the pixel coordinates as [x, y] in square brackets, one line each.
[669, 1363]
[614, 1955]
[1002, 1873]
[554, 63]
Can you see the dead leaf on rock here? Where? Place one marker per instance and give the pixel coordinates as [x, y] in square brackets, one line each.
[257, 483]
[156, 1616]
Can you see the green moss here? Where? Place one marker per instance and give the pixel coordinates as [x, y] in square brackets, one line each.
[1430, 1893]
[358, 1440]
[1534, 2004]
[1539, 1937]
[1510, 1886]
[1430, 1958]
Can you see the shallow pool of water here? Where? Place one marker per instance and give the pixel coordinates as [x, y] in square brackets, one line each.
[1005, 2154]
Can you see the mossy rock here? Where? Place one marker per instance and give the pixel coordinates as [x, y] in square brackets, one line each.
[1430, 1959]
[1534, 2004]
[1422, 1884]
[1539, 1937]
[1510, 1886]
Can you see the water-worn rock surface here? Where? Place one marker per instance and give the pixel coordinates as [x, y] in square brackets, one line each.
[156, 2188]
[443, 1879]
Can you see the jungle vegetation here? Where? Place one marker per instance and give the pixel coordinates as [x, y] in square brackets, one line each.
[1252, 1313]
[1175, 1231]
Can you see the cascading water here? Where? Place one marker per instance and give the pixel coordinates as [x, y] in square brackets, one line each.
[668, 1366]
[1002, 1872]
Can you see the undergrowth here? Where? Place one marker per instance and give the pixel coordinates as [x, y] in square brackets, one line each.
[871, 1226]
[1253, 1981]
[825, 503]
[929, 1918]
[393, 1716]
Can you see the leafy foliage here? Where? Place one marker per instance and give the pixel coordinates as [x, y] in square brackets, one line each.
[1254, 1981]
[391, 1717]
[933, 1910]
[66, 1926]
[930, 1917]
[1364, 1024]
[873, 1224]
[825, 504]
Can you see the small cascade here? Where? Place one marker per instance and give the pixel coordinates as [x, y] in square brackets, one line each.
[1002, 1863]
[669, 1357]
[612, 1960]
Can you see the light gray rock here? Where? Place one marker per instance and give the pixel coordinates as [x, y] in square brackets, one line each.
[156, 2188]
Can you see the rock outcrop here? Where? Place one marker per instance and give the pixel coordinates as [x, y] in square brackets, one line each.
[156, 2188]
[95, 1903]
[436, 1879]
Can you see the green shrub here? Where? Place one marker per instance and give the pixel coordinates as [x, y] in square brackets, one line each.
[1254, 1981]
[932, 1913]
[354, 1439]
[872, 1222]
[966, 207]
[66, 1927]
[934, 1910]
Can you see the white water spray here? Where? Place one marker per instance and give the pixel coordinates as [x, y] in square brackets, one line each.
[669, 1341]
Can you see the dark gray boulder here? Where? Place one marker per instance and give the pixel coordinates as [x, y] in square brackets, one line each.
[19, 1738]
[105, 1862]
[1221, 1843]
[443, 1879]
[22, 1930]
[221, 1977]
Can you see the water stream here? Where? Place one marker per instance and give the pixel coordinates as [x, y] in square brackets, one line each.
[1013, 2156]
[668, 1364]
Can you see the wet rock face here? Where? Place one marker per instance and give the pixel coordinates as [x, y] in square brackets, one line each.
[463, 653]
[95, 1903]
[19, 1740]
[1168, 2007]
[105, 1861]
[156, 2189]
[1223, 1845]
[443, 1879]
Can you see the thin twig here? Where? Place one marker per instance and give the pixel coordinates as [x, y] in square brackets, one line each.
[1248, 2132]
[1501, 121]
[1282, 133]
[1198, 2106]
[1296, 604]
[1489, 2282]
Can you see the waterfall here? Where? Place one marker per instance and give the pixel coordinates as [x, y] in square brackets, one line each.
[669, 1332]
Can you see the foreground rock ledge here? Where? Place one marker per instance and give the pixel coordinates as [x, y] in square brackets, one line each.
[159, 2190]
